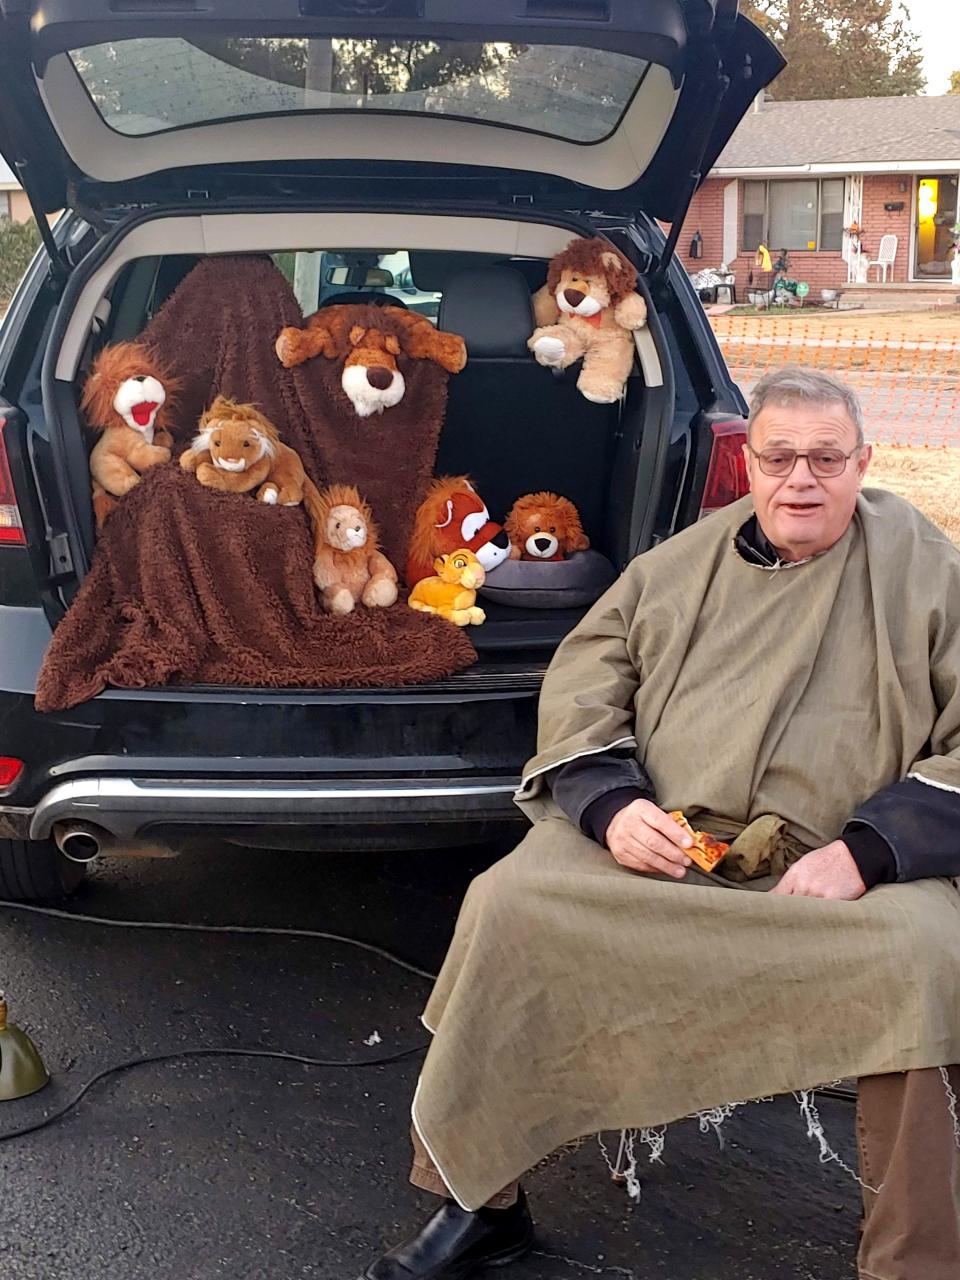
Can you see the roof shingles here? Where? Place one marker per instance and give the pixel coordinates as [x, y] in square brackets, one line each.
[849, 130]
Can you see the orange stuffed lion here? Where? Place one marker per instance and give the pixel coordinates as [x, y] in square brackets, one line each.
[544, 526]
[452, 516]
[126, 399]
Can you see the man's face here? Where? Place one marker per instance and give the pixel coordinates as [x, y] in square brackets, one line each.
[800, 513]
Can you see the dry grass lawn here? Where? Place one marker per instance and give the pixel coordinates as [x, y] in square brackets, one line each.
[929, 478]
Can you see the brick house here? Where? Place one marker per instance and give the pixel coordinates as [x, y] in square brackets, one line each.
[13, 199]
[796, 174]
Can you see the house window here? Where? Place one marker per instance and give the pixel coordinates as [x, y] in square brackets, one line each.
[4, 204]
[794, 214]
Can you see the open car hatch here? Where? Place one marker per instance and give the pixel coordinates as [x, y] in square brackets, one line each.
[614, 105]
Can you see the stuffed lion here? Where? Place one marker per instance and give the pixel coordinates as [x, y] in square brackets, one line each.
[589, 308]
[126, 399]
[544, 526]
[349, 567]
[369, 340]
[237, 449]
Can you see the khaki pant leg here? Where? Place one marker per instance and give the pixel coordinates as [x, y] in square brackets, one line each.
[908, 1150]
[425, 1175]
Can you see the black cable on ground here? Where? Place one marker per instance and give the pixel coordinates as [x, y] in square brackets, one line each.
[205, 1052]
[54, 1116]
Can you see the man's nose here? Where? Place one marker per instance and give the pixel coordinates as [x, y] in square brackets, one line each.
[801, 473]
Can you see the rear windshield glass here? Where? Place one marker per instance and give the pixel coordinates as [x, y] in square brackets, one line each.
[147, 86]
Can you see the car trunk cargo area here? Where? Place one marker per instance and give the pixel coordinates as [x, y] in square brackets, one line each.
[511, 425]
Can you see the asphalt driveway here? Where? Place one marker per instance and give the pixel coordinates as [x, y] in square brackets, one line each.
[247, 1169]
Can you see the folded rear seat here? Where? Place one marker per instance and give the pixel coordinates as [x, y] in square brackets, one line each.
[511, 424]
[515, 428]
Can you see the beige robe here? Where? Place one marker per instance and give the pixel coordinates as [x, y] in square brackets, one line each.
[578, 996]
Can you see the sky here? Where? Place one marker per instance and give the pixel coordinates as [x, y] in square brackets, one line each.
[932, 20]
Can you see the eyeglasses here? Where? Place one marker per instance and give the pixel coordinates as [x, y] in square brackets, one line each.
[822, 462]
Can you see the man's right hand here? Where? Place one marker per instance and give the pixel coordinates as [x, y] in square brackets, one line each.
[643, 838]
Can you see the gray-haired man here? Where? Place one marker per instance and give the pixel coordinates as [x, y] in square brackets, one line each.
[787, 673]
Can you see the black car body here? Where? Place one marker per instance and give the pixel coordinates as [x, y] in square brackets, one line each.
[147, 195]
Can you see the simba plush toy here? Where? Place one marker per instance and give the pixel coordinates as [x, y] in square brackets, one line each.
[453, 592]
[371, 379]
[451, 516]
[125, 399]
[238, 449]
[348, 567]
[543, 526]
[589, 308]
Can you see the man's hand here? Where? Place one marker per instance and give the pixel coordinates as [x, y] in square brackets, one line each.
[643, 838]
[829, 872]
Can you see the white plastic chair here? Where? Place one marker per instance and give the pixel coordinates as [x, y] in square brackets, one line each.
[885, 258]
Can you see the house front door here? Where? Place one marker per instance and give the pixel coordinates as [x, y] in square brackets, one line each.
[937, 212]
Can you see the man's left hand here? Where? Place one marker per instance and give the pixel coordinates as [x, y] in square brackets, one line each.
[829, 872]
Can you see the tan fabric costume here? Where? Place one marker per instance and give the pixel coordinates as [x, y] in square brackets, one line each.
[577, 996]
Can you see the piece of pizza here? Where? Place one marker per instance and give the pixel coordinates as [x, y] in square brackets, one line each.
[706, 851]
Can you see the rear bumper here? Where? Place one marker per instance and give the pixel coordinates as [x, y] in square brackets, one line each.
[130, 807]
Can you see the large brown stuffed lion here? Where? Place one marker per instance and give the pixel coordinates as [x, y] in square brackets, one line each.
[371, 378]
[589, 308]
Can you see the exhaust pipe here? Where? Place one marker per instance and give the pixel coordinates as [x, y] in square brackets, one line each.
[79, 841]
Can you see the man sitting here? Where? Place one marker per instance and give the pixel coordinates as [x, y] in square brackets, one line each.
[787, 673]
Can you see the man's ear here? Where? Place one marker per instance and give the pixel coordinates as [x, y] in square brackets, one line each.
[748, 458]
[863, 463]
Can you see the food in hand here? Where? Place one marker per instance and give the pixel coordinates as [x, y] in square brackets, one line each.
[706, 851]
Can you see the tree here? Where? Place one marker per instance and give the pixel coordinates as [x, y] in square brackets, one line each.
[19, 241]
[954, 82]
[842, 48]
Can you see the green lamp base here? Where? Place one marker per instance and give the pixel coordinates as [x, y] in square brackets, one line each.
[21, 1068]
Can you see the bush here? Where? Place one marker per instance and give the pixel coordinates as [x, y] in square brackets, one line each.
[19, 241]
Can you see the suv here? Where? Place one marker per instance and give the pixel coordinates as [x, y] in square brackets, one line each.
[343, 132]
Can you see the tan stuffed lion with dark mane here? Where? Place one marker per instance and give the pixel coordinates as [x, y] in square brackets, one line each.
[589, 308]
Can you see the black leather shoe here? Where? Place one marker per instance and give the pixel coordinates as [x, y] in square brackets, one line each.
[455, 1243]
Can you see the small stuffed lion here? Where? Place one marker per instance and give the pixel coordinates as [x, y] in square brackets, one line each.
[237, 449]
[589, 308]
[452, 593]
[125, 398]
[348, 566]
[544, 526]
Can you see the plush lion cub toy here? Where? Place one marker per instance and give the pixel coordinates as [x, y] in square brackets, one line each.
[237, 449]
[452, 593]
[348, 566]
[589, 308]
[125, 398]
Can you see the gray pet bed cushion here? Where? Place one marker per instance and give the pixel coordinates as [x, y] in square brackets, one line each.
[556, 584]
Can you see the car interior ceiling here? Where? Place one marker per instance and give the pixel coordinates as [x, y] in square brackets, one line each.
[510, 424]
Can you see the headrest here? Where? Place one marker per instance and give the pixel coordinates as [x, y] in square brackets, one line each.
[491, 309]
[361, 297]
[432, 268]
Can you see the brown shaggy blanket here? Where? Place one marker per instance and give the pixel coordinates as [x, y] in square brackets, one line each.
[193, 586]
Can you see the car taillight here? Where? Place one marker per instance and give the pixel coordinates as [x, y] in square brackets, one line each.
[11, 526]
[10, 771]
[727, 478]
